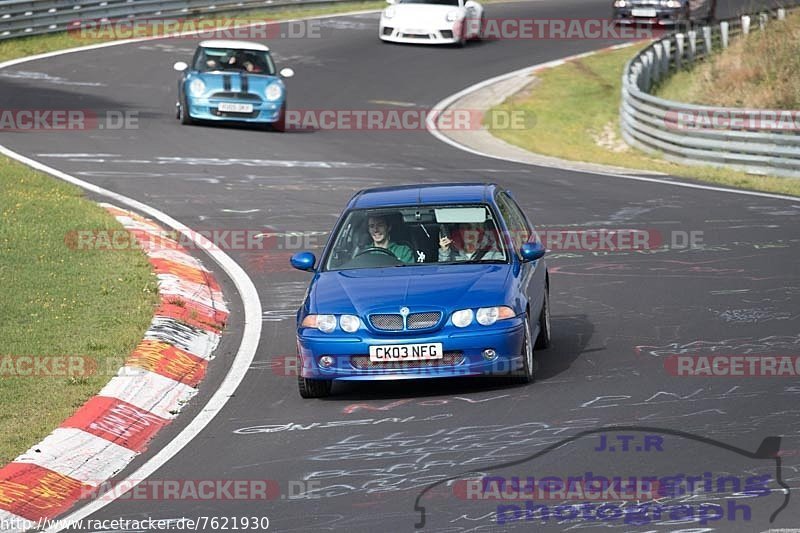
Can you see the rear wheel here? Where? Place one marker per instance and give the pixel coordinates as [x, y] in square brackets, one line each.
[525, 375]
[314, 388]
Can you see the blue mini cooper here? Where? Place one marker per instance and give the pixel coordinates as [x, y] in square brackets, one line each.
[232, 81]
[424, 281]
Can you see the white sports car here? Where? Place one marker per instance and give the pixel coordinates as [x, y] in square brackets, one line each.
[431, 21]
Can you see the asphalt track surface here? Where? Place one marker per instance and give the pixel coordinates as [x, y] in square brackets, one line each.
[366, 453]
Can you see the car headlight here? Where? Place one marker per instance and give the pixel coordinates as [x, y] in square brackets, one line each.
[273, 91]
[486, 316]
[197, 87]
[388, 12]
[463, 318]
[324, 323]
[671, 3]
[453, 16]
[349, 323]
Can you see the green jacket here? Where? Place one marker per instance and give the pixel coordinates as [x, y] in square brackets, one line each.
[401, 252]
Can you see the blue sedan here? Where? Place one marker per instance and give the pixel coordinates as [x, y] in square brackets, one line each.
[232, 81]
[424, 281]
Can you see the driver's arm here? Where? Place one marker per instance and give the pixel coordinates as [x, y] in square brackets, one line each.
[403, 253]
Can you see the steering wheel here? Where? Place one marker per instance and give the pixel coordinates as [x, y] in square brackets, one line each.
[375, 249]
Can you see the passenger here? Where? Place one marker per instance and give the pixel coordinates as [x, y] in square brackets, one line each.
[477, 244]
[380, 230]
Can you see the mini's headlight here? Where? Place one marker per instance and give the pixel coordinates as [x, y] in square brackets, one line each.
[620, 3]
[671, 3]
[197, 87]
[349, 323]
[486, 316]
[273, 91]
[453, 16]
[463, 318]
[324, 323]
[388, 12]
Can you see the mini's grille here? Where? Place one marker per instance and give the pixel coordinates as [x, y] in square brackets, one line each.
[423, 320]
[362, 362]
[387, 322]
[237, 96]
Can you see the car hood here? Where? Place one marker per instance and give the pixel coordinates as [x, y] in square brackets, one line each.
[421, 15]
[235, 81]
[387, 289]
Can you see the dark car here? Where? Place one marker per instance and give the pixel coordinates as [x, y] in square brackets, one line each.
[664, 12]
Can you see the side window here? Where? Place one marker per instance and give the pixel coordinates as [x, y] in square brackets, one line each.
[515, 220]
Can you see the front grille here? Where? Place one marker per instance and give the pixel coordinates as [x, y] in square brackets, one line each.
[362, 362]
[237, 96]
[387, 322]
[423, 320]
[415, 36]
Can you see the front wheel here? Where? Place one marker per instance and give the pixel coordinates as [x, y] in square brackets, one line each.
[525, 375]
[280, 124]
[314, 388]
[543, 339]
[183, 114]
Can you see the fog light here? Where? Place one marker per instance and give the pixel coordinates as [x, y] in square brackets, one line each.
[489, 354]
[326, 361]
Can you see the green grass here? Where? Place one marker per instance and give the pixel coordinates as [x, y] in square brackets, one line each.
[59, 301]
[758, 72]
[576, 107]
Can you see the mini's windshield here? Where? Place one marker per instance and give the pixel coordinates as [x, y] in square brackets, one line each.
[416, 235]
[454, 3]
[253, 61]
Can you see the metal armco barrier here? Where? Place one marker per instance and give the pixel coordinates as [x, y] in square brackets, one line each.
[20, 18]
[751, 140]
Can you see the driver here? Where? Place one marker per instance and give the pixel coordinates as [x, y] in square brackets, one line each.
[379, 230]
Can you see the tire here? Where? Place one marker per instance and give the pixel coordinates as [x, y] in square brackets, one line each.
[314, 388]
[525, 375]
[280, 124]
[543, 340]
[183, 115]
[479, 35]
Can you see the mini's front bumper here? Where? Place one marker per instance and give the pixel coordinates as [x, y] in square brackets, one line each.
[208, 109]
[464, 351]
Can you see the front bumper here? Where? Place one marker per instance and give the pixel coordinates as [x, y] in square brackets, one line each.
[390, 33]
[208, 109]
[463, 351]
[659, 16]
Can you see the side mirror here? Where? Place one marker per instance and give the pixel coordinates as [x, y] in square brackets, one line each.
[532, 251]
[180, 66]
[286, 73]
[391, 1]
[303, 261]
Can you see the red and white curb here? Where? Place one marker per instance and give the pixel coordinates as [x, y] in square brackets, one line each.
[159, 377]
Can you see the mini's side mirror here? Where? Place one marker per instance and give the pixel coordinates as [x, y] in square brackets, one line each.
[303, 261]
[286, 73]
[532, 251]
[180, 66]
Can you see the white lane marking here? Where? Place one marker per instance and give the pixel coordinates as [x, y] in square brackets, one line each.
[430, 124]
[244, 356]
[79, 455]
[241, 211]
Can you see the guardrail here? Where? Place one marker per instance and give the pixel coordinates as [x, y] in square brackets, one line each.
[750, 140]
[20, 18]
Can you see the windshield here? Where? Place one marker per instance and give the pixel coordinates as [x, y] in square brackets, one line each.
[454, 3]
[416, 235]
[253, 61]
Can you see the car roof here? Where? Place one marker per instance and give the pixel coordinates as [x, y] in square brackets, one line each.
[438, 193]
[237, 45]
